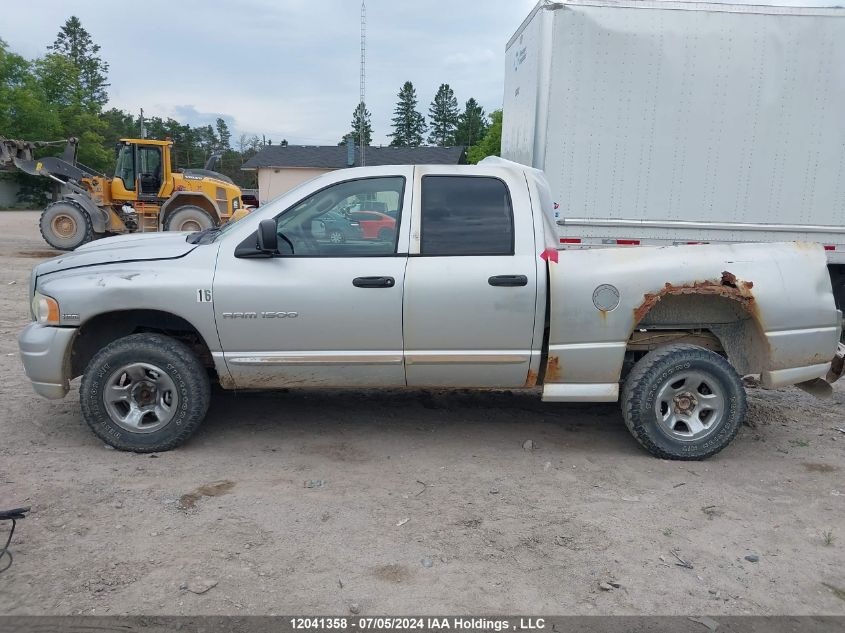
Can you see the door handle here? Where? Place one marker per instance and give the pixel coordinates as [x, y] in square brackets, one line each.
[508, 280]
[374, 282]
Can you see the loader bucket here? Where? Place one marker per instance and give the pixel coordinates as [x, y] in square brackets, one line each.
[12, 151]
[5, 158]
[30, 167]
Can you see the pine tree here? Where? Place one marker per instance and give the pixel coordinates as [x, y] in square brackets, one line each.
[224, 135]
[408, 124]
[491, 144]
[443, 115]
[74, 43]
[472, 124]
[356, 126]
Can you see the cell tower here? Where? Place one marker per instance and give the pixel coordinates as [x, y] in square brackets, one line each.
[361, 100]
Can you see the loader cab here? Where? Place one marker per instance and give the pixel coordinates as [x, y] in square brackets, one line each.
[142, 170]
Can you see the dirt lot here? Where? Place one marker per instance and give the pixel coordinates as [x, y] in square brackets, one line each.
[429, 503]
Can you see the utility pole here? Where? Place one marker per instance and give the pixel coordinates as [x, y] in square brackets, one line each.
[362, 102]
[143, 128]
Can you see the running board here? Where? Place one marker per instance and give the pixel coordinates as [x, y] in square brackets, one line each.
[581, 392]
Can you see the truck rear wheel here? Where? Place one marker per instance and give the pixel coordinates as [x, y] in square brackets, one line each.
[144, 393]
[65, 225]
[188, 218]
[683, 402]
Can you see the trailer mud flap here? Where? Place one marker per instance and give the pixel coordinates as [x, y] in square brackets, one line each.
[837, 365]
[822, 387]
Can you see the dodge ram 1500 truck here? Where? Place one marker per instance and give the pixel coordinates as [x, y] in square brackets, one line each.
[468, 291]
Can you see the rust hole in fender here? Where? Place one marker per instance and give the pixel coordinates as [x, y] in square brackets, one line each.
[730, 280]
[727, 286]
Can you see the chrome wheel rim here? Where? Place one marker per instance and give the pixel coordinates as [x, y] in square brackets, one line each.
[336, 237]
[140, 398]
[689, 406]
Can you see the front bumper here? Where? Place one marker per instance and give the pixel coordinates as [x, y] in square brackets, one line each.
[44, 352]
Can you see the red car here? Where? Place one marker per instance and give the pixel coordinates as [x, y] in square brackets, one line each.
[375, 225]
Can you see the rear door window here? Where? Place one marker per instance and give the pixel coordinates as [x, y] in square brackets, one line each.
[466, 215]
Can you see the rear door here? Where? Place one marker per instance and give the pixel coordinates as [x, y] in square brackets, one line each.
[471, 280]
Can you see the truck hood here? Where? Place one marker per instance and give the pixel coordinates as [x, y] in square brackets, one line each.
[121, 248]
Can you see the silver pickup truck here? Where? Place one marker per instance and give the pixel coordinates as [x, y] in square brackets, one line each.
[455, 283]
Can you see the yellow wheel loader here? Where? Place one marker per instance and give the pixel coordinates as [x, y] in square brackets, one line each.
[144, 194]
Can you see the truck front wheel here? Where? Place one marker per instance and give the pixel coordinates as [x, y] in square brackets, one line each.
[144, 393]
[65, 225]
[683, 402]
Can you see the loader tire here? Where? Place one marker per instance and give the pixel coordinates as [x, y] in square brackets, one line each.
[144, 393]
[188, 218]
[683, 402]
[65, 225]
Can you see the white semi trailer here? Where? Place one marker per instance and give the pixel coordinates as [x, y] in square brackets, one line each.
[683, 123]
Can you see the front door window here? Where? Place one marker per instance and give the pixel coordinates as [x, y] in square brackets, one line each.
[326, 224]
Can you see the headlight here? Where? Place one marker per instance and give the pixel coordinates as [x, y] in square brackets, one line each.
[45, 309]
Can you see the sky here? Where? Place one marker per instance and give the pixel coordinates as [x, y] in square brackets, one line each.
[288, 69]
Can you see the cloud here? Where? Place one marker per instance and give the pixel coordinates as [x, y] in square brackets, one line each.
[190, 115]
[470, 58]
[285, 69]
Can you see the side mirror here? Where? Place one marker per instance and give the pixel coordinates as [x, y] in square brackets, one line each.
[268, 240]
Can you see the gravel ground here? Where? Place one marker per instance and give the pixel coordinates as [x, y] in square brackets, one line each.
[419, 502]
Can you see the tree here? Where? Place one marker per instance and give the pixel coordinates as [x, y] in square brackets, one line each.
[491, 144]
[361, 115]
[443, 115]
[58, 79]
[43, 99]
[119, 124]
[472, 124]
[224, 135]
[207, 140]
[24, 109]
[408, 124]
[74, 43]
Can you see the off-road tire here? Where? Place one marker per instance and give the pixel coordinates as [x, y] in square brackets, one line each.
[654, 370]
[181, 366]
[197, 218]
[75, 216]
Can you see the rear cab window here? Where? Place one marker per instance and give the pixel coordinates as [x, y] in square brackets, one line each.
[465, 215]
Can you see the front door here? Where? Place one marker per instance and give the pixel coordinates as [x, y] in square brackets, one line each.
[150, 169]
[328, 311]
[471, 283]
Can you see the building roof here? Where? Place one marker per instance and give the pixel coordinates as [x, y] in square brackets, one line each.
[334, 156]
